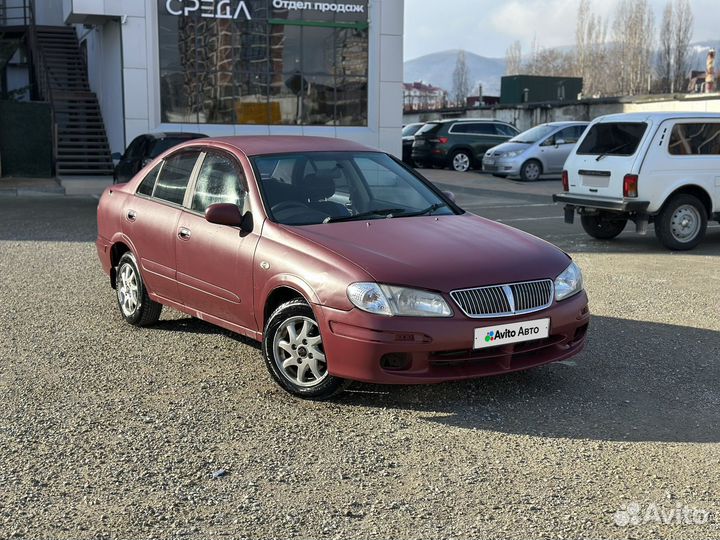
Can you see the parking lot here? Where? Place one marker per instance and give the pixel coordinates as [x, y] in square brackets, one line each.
[109, 431]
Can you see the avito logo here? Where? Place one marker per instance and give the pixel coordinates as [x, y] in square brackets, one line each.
[507, 333]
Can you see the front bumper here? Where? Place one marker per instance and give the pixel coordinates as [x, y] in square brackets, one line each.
[438, 349]
[510, 167]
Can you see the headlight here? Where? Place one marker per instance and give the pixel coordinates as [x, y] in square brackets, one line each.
[390, 300]
[512, 154]
[568, 283]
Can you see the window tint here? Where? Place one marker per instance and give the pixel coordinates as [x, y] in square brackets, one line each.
[135, 150]
[473, 128]
[219, 181]
[148, 184]
[695, 139]
[174, 177]
[613, 138]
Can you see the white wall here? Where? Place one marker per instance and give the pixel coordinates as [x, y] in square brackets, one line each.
[105, 77]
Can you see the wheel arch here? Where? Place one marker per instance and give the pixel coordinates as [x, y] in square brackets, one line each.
[534, 158]
[695, 190]
[278, 295]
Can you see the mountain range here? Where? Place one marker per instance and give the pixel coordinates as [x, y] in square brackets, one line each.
[437, 68]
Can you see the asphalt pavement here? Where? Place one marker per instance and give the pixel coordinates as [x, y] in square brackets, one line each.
[177, 431]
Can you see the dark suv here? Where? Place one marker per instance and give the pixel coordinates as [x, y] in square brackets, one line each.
[460, 143]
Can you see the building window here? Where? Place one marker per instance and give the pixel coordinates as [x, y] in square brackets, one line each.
[262, 62]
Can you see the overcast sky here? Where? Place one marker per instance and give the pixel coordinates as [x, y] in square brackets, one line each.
[488, 27]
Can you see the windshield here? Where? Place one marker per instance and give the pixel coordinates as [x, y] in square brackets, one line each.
[411, 129]
[613, 139]
[534, 135]
[329, 187]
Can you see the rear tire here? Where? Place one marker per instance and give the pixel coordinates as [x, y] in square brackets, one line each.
[603, 227]
[294, 354]
[135, 305]
[682, 223]
[461, 161]
[531, 170]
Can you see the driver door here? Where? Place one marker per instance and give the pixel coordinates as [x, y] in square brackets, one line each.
[214, 262]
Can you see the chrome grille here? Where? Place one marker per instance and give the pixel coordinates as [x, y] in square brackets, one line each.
[504, 300]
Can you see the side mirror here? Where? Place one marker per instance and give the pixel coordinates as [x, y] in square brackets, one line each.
[229, 214]
[450, 195]
[117, 156]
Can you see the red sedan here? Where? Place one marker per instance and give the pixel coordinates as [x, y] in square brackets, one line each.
[343, 262]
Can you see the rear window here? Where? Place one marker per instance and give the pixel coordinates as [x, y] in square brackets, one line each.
[697, 139]
[160, 145]
[613, 139]
[428, 129]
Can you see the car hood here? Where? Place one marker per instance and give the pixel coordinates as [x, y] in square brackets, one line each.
[441, 253]
[510, 147]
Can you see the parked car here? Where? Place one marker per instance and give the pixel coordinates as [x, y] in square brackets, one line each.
[459, 144]
[408, 136]
[143, 149]
[537, 151]
[346, 265]
[661, 168]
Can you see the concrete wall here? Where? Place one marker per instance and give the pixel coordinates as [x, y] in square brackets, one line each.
[138, 46]
[526, 116]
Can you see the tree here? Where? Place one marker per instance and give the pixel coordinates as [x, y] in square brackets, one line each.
[633, 36]
[513, 59]
[591, 58]
[682, 34]
[461, 80]
[666, 53]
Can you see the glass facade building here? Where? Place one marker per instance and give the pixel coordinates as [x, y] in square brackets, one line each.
[268, 65]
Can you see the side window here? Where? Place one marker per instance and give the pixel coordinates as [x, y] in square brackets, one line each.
[570, 135]
[174, 177]
[695, 139]
[148, 184]
[505, 130]
[461, 128]
[485, 128]
[219, 181]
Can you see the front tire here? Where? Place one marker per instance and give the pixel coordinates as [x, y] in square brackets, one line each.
[531, 170]
[135, 305]
[603, 227]
[294, 353]
[682, 223]
[461, 161]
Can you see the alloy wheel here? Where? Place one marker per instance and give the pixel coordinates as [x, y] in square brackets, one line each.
[461, 162]
[532, 171]
[298, 352]
[128, 290]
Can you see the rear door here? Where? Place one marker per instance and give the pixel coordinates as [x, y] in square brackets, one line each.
[608, 152]
[214, 262]
[150, 220]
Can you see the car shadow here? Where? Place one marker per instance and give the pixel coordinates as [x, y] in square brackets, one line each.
[191, 325]
[635, 381]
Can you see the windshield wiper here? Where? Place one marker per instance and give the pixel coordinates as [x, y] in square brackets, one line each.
[428, 211]
[611, 151]
[386, 212]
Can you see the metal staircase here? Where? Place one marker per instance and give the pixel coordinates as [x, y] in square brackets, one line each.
[59, 76]
[81, 142]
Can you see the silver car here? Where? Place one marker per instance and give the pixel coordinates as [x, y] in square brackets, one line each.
[537, 151]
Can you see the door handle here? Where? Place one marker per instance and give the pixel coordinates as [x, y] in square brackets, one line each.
[184, 233]
[131, 215]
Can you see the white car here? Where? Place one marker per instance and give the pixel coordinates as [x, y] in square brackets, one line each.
[660, 168]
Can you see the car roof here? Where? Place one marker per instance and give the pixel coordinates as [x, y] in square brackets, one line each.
[567, 123]
[655, 117]
[252, 145]
[175, 135]
[481, 120]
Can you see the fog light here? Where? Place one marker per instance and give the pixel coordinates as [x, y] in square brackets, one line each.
[395, 361]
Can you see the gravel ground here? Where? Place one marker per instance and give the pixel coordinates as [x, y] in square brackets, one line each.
[108, 431]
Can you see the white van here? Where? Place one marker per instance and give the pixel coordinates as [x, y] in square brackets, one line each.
[660, 168]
